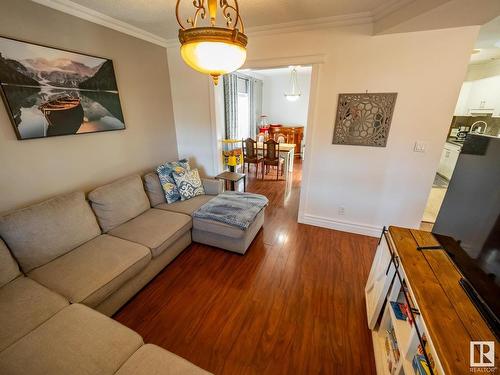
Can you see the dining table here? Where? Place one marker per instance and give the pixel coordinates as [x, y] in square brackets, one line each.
[287, 151]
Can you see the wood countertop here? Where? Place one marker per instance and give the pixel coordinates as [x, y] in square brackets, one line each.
[449, 315]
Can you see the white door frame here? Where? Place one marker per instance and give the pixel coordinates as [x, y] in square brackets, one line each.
[217, 113]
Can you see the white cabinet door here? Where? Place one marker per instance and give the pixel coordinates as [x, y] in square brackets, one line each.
[442, 163]
[379, 282]
[462, 108]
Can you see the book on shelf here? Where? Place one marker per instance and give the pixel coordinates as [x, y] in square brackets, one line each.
[419, 363]
[392, 343]
[399, 310]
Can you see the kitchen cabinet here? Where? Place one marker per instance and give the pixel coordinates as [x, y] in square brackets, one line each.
[479, 96]
[462, 108]
[448, 160]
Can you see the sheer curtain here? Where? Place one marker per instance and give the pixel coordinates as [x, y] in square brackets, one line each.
[237, 85]
[231, 105]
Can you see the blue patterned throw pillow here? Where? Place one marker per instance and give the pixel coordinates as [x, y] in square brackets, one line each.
[188, 184]
[167, 181]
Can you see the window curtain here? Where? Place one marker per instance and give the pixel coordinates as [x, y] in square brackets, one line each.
[231, 103]
[255, 105]
[230, 82]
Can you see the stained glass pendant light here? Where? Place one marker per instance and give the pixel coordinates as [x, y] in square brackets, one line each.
[213, 49]
[294, 93]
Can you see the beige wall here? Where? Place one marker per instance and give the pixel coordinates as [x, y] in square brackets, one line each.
[375, 186]
[33, 170]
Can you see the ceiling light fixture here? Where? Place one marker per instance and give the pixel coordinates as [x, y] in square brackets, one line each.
[294, 94]
[212, 49]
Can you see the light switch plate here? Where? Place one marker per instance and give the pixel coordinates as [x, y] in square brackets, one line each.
[419, 146]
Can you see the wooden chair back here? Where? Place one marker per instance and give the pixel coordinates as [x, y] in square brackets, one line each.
[280, 138]
[249, 148]
[271, 150]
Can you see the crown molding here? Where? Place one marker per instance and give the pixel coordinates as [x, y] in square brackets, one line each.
[77, 10]
[91, 15]
[311, 24]
[302, 25]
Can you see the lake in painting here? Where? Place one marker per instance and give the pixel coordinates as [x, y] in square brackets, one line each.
[50, 92]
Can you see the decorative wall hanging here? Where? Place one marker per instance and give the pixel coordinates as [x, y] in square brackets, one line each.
[50, 92]
[364, 119]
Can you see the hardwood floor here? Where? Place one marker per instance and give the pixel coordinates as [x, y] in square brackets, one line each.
[293, 304]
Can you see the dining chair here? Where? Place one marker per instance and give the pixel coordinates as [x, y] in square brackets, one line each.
[250, 154]
[272, 157]
[280, 138]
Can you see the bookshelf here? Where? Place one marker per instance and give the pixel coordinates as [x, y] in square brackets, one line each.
[435, 320]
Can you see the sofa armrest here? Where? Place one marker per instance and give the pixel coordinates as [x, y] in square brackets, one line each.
[212, 186]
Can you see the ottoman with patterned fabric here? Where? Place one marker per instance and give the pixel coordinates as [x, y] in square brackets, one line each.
[230, 221]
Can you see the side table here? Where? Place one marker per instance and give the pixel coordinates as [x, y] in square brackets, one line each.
[233, 177]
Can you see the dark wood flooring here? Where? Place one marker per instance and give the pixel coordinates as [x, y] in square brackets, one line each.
[293, 304]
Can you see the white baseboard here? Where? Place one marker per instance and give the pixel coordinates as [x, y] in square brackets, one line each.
[345, 226]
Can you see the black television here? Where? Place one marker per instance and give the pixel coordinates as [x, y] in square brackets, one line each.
[468, 224]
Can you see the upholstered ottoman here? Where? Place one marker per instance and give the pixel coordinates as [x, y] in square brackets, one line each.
[230, 221]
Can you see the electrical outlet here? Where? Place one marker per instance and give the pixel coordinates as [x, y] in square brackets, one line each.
[341, 210]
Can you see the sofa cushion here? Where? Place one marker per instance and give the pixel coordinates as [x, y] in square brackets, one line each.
[167, 181]
[157, 196]
[42, 232]
[153, 189]
[119, 202]
[186, 207]
[24, 305]
[212, 186]
[153, 360]
[77, 340]
[156, 229]
[189, 184]
[94, 270]
[9, 269]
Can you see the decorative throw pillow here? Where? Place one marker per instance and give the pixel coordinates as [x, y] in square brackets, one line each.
[189, 184]
[165, 174]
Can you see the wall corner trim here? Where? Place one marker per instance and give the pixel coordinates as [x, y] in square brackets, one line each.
[77, 10]
[344, 226]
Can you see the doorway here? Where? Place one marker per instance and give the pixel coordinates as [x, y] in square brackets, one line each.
[477, 112]
[257, 106]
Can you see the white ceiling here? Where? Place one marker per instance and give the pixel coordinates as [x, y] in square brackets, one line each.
[488, 43]
[158, 16]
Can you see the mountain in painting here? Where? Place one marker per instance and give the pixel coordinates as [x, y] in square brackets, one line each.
[103, 80]
[61, 65]
[14, 72]
[60, 72]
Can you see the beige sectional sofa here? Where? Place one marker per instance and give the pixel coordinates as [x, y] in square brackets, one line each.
[67, 261]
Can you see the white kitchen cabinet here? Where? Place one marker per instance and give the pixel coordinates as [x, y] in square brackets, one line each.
[482, 95]
[462, 108]
[448, 160]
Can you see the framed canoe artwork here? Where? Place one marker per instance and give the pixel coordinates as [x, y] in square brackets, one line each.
[50, 92]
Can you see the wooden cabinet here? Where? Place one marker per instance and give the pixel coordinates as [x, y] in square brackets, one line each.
[426, 284]
[291, 134]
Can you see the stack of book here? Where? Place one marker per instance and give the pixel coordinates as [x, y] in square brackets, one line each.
[391, 345]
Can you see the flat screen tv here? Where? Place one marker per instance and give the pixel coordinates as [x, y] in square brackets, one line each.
[468, 224]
